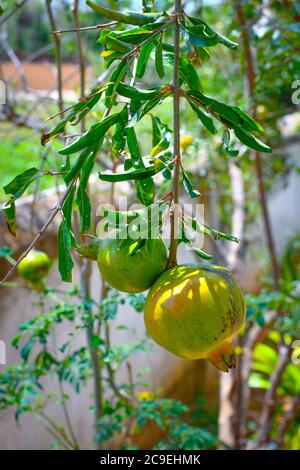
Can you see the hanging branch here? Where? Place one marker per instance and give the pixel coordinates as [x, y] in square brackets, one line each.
[251, 76]
[81, 60]
[172, 261]
[87, 28]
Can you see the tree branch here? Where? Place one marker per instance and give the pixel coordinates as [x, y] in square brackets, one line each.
[87, 28]
[258, 163]
[172, 261]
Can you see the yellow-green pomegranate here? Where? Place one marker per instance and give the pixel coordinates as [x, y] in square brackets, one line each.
[129, 267]
[194, 311]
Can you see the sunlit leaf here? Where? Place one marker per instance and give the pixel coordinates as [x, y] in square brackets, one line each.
[65, 263]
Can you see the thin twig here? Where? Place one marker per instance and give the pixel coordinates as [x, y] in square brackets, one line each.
[57, 428]
[86, 28]
[41, 232]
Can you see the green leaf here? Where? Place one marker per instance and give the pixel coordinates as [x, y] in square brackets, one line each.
[203, 54]
[9, 211]
[65, 263]
[145, 191]
[78, 111]
[84, 205]
[127, 17]
[96, 341]
[147, 5]
[204, 118]
[26, 349]
[82, 198]
[138, 94]
[119, 136]
[115, 78]
[231, 115]
[138, 174]
[159, 63]
[93, 138]
[133, 147]
[215, 234]
[231, 152]
[144, 55]
[251, 141]
[67, 209]
[162, 145]
[187, 72]
[201, 253]
[188, 186]
[127, 38]
[201, 34]
[75, 169]
[20, 183]
[248, 123]
[156, 132]
[226, 140]
[258, 381]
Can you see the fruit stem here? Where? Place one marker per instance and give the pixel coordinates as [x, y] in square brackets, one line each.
[172, 261]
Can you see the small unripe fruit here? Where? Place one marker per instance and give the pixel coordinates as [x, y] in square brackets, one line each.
[34, 267]
[185, 141]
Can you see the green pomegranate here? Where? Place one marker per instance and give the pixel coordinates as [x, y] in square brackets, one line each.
[194, 311]
[131, 267]
[34, 267]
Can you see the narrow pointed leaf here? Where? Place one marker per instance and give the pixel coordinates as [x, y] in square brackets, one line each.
[126, 17]
[20, 183]
[188, 185]
[204, 118]
[251, 141]
[65, 263]
[128, 175]
[145, 191]
[159, 63]
[93, 138]
[9, 211]
[84, 205]
[202, 253]
[143, 58]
